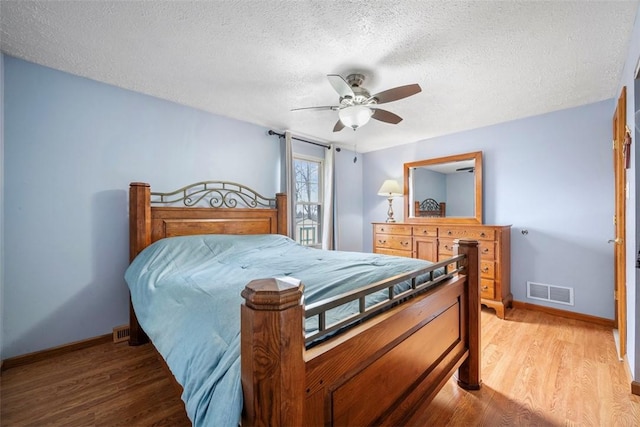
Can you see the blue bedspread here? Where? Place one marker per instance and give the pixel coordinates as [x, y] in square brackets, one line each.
[186, 294]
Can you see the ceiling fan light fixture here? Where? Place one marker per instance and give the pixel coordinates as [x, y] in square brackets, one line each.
[355, 116]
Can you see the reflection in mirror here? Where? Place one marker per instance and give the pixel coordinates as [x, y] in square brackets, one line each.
[447, 189]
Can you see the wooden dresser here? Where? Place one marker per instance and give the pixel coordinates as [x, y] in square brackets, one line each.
[435, 243]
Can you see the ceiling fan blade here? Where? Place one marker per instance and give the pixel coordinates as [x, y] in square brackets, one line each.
[325, 107]
[397, 93]
[338, 127]
[341, 86]
[386, 116]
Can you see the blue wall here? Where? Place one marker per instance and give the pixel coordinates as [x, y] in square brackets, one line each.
[72, 146]
[428, 184]
[348, 177]
[551, 175]
[460, 194]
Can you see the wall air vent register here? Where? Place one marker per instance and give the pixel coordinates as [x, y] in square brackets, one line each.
[551, 293]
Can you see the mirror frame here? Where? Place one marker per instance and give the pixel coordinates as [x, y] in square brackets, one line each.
[477, 219]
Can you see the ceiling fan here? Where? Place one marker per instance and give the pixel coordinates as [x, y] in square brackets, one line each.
[357, 106]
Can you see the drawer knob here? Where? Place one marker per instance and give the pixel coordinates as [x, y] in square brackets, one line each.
[485, 288]
[485, 250]
[485, 269]
[447, 247]
[382, 241]
[482, 234]
[449, 233]
[404, 243]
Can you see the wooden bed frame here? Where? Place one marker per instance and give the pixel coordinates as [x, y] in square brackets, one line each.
[377, 372]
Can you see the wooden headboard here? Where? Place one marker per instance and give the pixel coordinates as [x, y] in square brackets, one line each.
[230, 209]
[430, 207]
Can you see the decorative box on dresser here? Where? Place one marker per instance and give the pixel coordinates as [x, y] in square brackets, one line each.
[434, 242]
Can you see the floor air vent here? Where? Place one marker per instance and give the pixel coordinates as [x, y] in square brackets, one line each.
[550, 293]
[121, 333]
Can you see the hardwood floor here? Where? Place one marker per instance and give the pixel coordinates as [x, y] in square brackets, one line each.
[106, 385]
[538, 370]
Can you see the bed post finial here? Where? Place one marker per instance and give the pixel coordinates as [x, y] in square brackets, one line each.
[272, 343]
[469, 372]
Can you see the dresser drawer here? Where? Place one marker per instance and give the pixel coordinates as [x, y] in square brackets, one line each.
[467, 233]
[392, 241]
[487, 269]
[404, 230]
[487, 250]
[487, 288]
[445, 247]
[394, 252]
[425, 231]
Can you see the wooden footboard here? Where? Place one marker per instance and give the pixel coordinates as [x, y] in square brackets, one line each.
[376, 373]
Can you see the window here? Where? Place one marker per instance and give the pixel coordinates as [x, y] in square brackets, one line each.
[308, 221]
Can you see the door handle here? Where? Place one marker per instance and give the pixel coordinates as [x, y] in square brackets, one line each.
[617, 241]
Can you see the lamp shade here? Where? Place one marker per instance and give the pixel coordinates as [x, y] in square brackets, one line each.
[355, 116]
[390, 188]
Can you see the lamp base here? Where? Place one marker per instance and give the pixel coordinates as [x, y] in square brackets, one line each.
[390, 211]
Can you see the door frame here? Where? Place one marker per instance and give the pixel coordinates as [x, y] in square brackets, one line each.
[620, 221]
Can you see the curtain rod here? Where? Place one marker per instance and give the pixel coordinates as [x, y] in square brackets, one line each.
[281, 135]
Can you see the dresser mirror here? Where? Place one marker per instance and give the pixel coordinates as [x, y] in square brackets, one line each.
[444, 190]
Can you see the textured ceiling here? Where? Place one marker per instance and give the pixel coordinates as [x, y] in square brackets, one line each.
[478, 62]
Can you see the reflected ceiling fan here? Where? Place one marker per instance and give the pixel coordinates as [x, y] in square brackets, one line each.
[357, 106]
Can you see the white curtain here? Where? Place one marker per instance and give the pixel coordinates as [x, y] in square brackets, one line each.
[328, 213]
[290, 185]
